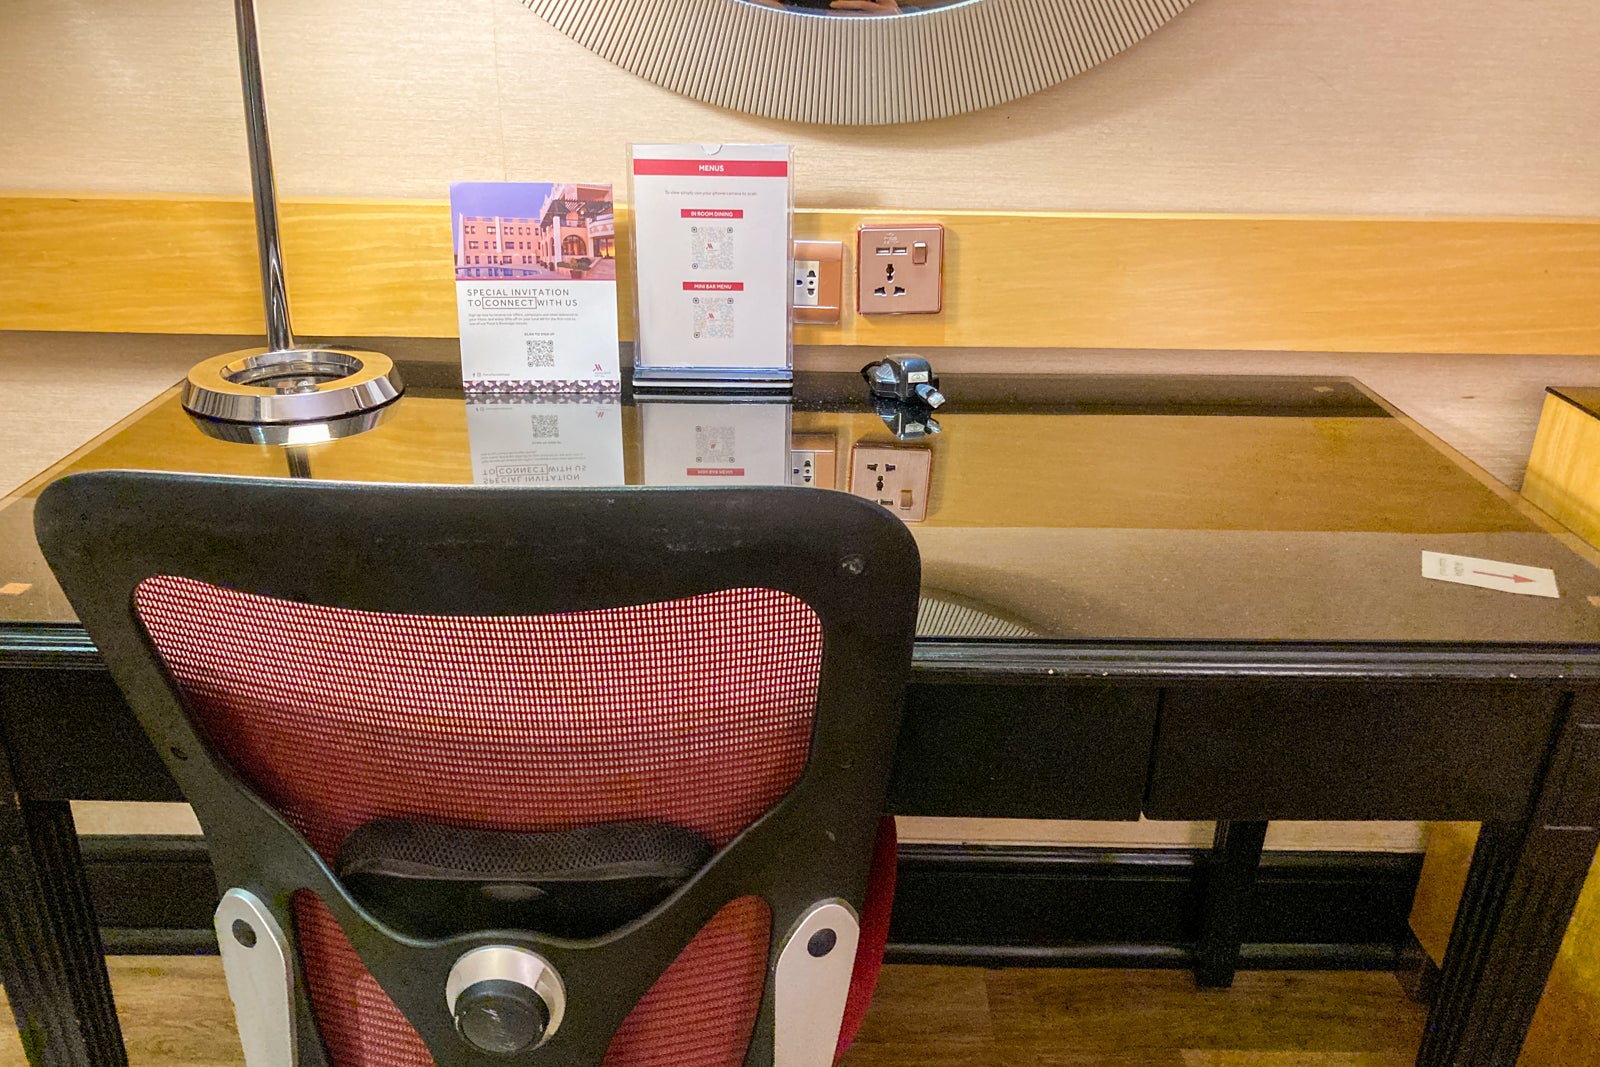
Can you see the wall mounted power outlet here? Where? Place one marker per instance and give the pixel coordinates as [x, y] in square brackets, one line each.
[818, 281]
[806, 279]
[899, 270]
[897, 478]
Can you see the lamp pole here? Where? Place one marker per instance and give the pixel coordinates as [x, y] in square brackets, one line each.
[285, 382]
[280, 335]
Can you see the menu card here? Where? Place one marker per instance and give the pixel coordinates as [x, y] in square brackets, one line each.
[536, 286]
[714, 262]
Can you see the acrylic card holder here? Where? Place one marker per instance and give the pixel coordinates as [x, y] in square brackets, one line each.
[714, 265]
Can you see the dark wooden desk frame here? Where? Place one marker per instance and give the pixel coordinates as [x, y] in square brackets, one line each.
[1238, 732]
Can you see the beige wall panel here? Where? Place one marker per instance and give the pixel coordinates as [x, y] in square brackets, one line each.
[1366, 106]
[362, 94]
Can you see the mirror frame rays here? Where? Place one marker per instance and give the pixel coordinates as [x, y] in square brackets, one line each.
[855, 70]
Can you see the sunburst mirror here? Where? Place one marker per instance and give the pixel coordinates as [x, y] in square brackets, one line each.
[857, 62]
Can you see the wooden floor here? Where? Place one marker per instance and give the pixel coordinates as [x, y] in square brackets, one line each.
[175, 1012]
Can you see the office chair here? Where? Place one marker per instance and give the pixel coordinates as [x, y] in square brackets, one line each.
[516, 776]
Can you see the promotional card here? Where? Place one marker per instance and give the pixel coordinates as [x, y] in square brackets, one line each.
[714, 261]
[536, 286]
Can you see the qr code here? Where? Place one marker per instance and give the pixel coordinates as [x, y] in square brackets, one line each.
[541, 352]
[545, 427]
[710, 247]
[713, 317]
[713, 444]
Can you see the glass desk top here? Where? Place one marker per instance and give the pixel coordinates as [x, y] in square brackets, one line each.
[1061, 507]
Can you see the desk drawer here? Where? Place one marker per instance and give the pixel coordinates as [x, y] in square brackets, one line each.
[1044, 751]
[1425, 750]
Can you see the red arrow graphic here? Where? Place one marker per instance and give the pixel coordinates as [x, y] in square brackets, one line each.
[1508, 577]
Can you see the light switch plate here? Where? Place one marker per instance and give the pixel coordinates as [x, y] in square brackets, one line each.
[900, 270]
[897, 478]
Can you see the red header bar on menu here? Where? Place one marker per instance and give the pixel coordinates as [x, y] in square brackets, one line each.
[713, 287]
[710, 213]
[714, 168]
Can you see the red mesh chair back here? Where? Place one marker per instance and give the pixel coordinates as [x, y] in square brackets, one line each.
[693, 698]
[696, 712]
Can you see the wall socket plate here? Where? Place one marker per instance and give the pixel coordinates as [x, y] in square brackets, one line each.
[818, 281]
[900, 270]
[897, 478]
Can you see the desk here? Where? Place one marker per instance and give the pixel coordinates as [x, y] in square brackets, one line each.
[1191, 598]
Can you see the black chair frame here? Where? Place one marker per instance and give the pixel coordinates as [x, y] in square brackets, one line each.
[469, 551]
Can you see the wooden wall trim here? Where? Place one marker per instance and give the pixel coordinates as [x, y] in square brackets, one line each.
[186, 264]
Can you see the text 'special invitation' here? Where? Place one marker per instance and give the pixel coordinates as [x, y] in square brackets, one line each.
[536, 286]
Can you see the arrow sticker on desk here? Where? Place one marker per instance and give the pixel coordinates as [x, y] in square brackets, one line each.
[1490, 574]
[1514, 578]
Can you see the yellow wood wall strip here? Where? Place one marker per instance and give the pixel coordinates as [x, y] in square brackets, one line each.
[158, 264]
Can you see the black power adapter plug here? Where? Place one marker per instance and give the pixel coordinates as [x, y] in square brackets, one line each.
[905, 378]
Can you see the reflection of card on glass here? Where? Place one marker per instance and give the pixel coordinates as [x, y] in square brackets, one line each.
[714, 444]
[545, 441]
[536, 289]
[711, 245]
[735, 443]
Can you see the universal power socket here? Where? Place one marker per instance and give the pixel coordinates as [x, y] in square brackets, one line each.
[900, 270]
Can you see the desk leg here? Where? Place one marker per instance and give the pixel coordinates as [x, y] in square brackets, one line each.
[1230, 876]
[51, 960]
[1523, 884]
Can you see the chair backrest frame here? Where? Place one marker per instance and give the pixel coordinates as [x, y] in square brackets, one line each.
[457, 551]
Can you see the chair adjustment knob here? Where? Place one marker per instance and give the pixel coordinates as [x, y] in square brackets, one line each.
[501, 1016]
[505, 1000]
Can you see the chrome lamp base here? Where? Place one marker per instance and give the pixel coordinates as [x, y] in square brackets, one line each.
[291, 385]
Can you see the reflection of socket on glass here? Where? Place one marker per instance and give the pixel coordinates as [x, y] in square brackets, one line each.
[897, 478]
[814, 460]
[899, 270]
